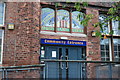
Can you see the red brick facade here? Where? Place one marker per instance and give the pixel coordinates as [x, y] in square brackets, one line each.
[22, 45]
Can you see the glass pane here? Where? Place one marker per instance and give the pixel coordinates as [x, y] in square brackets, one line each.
[102, 54]
[107, 47]
[107, 54]
[104, 41]
[77, 27]
[103, 59]
[102, 18]
[1, 13]
[63, 21]
[107, 59]
[1, 31]
[47, 17]
[115, 25]
[116, 44]
[116, 49]
[115, 54]
[104, 49]
[1, 7]
[116, 59]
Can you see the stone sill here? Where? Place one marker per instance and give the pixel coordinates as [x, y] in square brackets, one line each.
[62, 33]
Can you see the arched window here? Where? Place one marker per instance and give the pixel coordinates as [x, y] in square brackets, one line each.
[76, 26]
[47, 18]
[63, 20]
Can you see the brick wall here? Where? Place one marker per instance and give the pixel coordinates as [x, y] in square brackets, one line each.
[93, 44]
[21, 45]
[22, 74]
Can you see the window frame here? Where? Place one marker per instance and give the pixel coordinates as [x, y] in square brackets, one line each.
[110, 37]
[105, 51]
[2, 42]
[70, 10]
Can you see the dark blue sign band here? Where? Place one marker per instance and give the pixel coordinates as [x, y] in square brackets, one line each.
[63, 42]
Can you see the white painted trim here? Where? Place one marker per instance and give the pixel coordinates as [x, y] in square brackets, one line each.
[110, 49]
[108, 27]
[3, 16]
[2, 46]
[64, 34]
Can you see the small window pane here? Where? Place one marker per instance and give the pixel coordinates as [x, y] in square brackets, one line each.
[102, 54]
[107, 59]
[102, 47]
[1, 15]
[115, 54]
[107, 47]
[107, 54]
[115, 47]
[103, 59]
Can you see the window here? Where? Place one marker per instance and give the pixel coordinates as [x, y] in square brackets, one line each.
[1, 44]
[105, 49]
[61, 20]
[116, 49]
[47, 19]
[105, 25]
[112, 42]
[1, 14]
[76, 26]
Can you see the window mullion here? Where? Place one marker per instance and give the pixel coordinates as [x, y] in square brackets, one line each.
[110, 49]
[70, 21]
[112, 45]
[55, 26]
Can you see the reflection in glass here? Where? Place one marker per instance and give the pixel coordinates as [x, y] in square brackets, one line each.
[105, 26]
[1, 13]
[105, 49]
[76, 19]
[116, 49]
[115, 25]
[1, 31]
[47, 17]
[63, 18]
